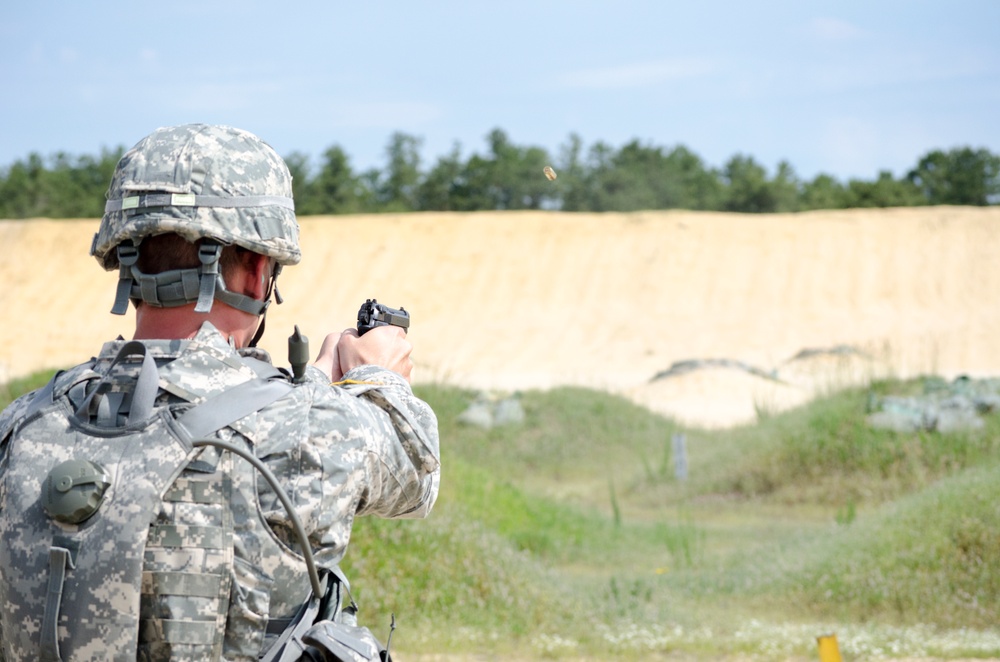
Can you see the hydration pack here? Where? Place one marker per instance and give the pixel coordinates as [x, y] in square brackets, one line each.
[110, 508]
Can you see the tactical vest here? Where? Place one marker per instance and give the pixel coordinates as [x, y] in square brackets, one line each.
[122, 537]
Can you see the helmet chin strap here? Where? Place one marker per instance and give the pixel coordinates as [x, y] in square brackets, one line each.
[271, 287]
[202, 285]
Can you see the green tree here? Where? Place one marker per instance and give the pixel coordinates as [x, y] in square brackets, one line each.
[701, 187]
[397, 190]
[518, 182]
[646, 177]
[335, 190]
[64, 187]
[298, 167]
[785, 189]
[24, 189]
[961, 176]
[823, 192]
[641, 177]
[886, 191]
[366, 192]
[508, 177]
[439, 189]
[748, 189]
[572, 176]
[601, 187]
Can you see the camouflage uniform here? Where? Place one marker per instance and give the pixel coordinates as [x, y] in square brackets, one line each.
[368, 447]
[364, 446]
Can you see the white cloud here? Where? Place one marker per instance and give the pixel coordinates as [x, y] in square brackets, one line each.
[216, 97]
[862, 147]
[36, 54]
[68, 55]
[833, 29]
[849, 144]
[381, 114]
[904, 67]
[639, 74]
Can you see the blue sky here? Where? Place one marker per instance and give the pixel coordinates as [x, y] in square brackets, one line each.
[848, 88]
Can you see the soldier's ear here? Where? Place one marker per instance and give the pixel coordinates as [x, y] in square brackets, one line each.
[254, 275]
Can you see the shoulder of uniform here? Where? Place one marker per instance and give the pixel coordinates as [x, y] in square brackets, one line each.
[58, 385]
[13, 413]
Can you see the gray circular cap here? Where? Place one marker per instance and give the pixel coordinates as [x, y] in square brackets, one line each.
[74, 490]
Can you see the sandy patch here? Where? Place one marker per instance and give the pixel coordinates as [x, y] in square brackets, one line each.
[524, 300]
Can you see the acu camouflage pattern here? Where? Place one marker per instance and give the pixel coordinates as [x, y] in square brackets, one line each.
[36, 550]
[204, 160]
[220, 559]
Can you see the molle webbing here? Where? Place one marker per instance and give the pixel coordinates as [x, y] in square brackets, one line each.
[92, 605]
[187, 613]
[187, 575]
[75, 591]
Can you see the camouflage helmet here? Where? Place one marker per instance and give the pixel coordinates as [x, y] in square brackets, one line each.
[201, 181]
[217, 184]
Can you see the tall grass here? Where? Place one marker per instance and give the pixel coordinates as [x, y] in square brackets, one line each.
[794, 516]
[826, 452]
[929, 557]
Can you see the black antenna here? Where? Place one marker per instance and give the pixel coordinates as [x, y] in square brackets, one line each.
[298, 355]
[384, 655]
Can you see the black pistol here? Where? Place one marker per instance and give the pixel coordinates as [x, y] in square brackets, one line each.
[373, 313]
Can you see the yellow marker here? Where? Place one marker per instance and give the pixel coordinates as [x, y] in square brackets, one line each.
[549, 172]
[828, 649]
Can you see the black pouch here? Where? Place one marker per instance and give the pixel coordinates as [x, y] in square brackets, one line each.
[322, 631]
[343, 642]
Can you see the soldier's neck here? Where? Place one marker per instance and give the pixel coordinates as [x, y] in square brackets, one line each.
[180, 323]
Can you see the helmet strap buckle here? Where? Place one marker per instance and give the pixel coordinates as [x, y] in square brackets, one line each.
[128, 256]
[208, 254]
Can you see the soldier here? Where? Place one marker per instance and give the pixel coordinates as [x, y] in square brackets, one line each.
[133, 522]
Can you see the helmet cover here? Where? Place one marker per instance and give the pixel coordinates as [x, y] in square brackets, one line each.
[201, 182]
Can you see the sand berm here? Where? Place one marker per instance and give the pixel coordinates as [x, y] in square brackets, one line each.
[753, 312]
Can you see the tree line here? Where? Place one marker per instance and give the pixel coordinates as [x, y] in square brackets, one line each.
[598, 178]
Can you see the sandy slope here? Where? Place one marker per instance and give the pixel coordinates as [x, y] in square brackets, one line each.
[526, 300]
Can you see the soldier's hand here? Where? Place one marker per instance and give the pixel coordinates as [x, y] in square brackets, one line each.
[385, 346]
[329, 358]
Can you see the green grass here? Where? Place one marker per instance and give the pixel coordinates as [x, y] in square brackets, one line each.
[569, 536]
[929, 557]
[825, 453]
[17, 387]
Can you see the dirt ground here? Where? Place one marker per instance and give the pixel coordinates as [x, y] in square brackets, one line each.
[523, 300]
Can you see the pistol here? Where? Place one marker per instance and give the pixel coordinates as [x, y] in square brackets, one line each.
[373, 313]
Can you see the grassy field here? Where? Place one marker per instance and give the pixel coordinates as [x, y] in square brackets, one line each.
[569, 536]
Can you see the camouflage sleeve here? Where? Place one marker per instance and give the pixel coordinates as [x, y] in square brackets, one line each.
[406, 470]
[367, 447]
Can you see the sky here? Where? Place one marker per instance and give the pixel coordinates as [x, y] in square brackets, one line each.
[847, 88]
